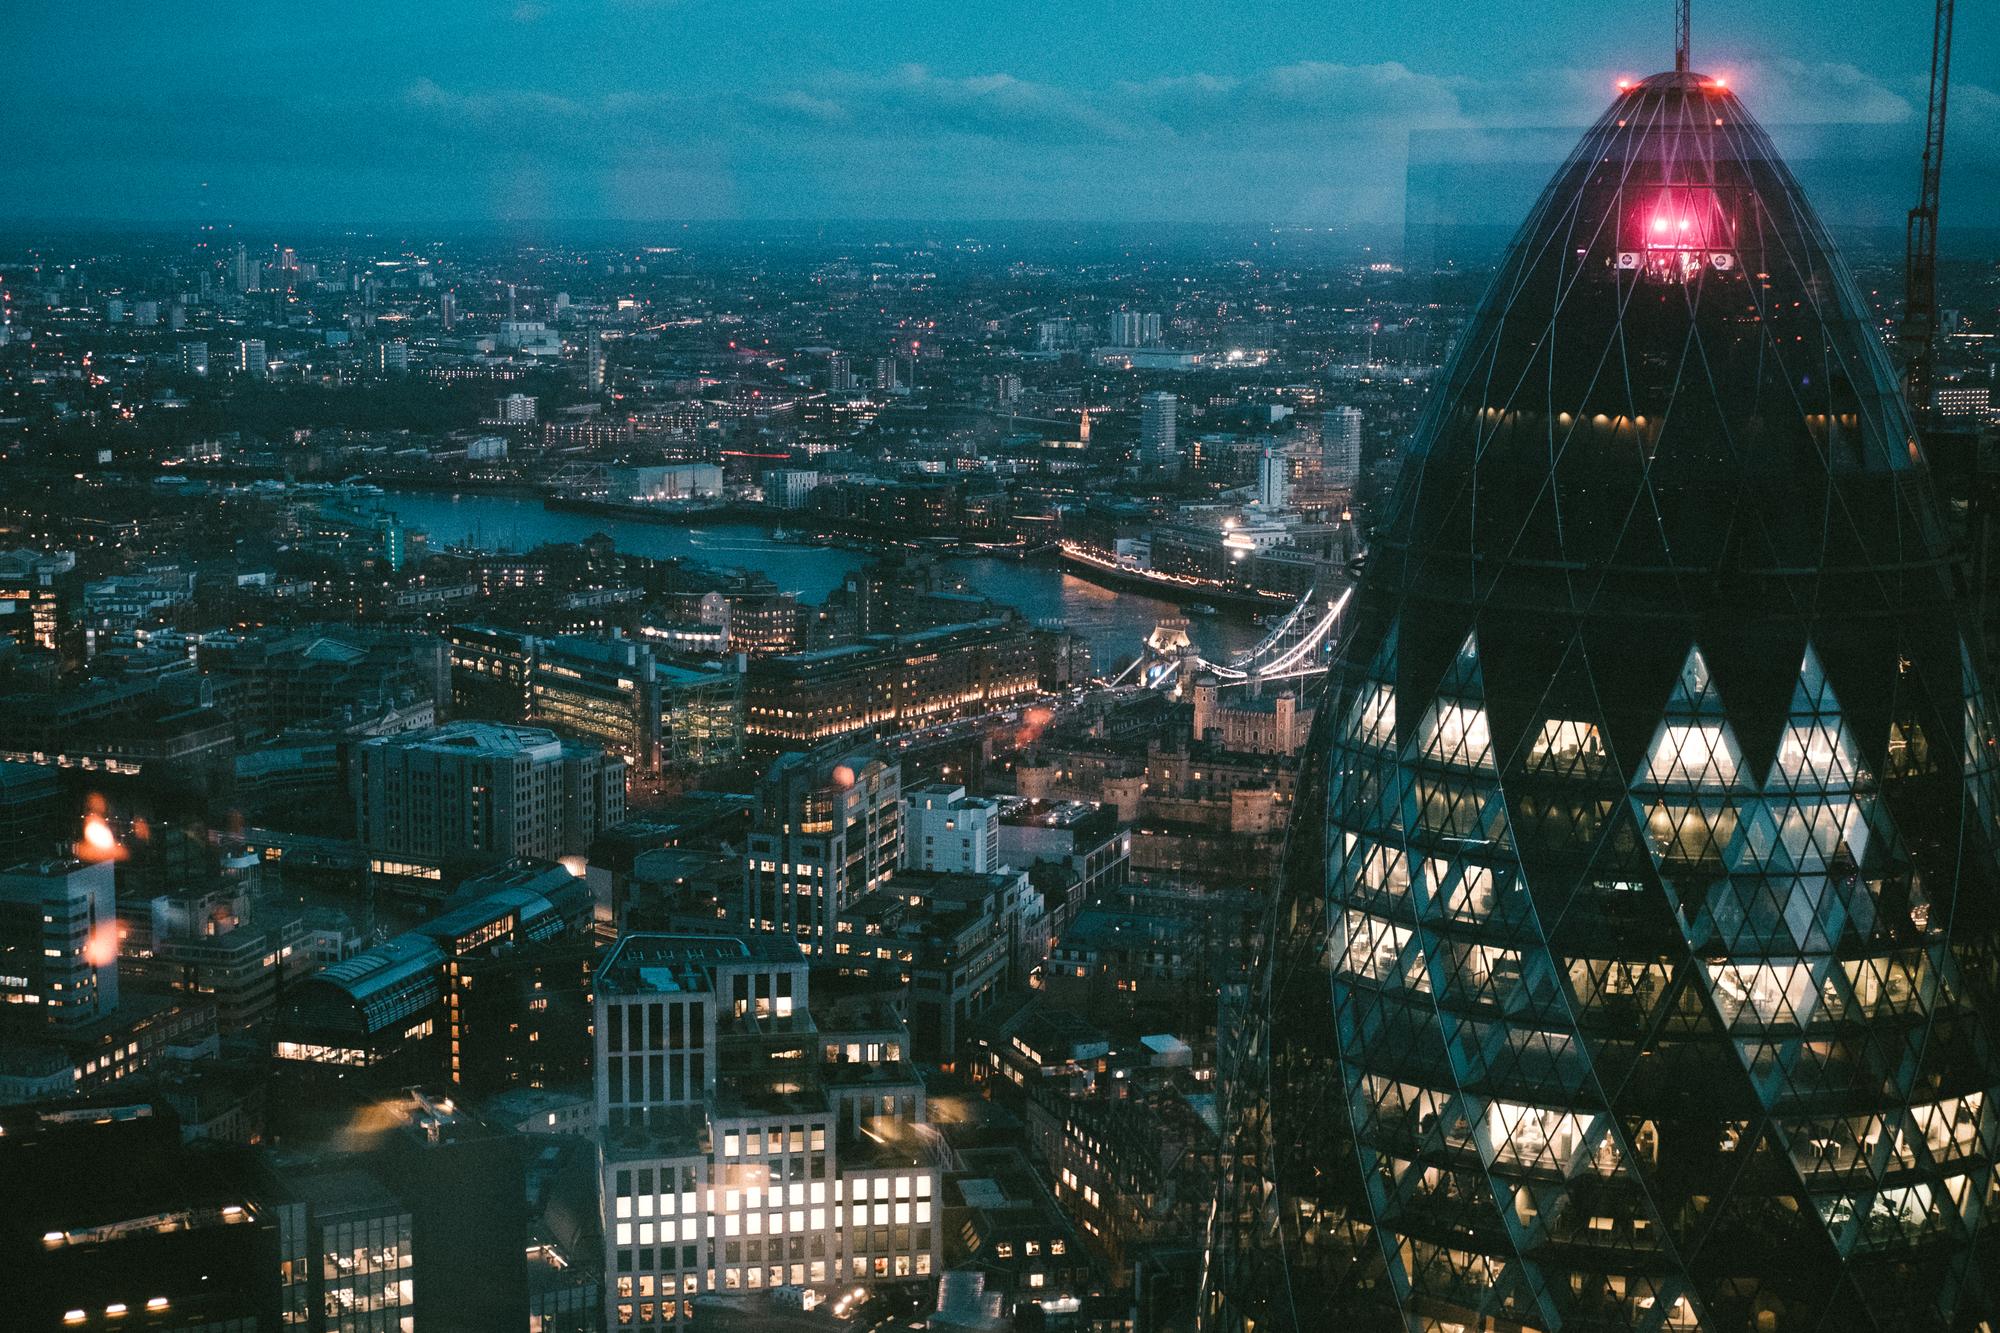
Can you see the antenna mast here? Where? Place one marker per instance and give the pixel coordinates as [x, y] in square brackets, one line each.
[1682, 24]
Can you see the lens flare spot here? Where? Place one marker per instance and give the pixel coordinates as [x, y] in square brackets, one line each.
[101, 948]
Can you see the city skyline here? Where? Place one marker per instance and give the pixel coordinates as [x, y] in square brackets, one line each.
[675, 668]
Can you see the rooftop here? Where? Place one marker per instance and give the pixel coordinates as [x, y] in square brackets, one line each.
[1049, 814]
[671, 964]
[491, 739]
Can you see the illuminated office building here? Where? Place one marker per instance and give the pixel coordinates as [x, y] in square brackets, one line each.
[612, 690]
[889, 681]
[750, 1139]
[1634, 964]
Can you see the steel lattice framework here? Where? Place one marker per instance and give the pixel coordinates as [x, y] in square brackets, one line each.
[1634, 965]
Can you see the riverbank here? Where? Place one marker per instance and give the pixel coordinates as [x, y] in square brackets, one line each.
[751, 516]
[1047, 591]
[843, 533]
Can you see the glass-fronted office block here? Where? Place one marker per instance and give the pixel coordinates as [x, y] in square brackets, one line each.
[1634, 963]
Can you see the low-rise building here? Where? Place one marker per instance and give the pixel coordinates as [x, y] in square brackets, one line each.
[399, 1013]
[1085, 837]
[1250, 721]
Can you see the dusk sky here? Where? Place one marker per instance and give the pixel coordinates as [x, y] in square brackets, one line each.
[1290, 111]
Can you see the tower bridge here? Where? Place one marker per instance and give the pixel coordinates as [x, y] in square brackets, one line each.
[1299, 645]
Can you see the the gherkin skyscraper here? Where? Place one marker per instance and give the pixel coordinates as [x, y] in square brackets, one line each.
[1634, 965]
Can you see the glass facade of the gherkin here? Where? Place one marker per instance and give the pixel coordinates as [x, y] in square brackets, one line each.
[1634, 962]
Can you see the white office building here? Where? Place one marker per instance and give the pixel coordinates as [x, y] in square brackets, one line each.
[748, 1140]
[946, 830]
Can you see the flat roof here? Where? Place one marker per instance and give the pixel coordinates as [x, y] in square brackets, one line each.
[665, 964]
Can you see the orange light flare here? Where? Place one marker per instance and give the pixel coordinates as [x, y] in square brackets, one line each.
[100, 948]
[99, 842]
[1033, 723]
[843, 776]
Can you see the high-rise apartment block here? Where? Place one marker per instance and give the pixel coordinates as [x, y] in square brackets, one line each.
[1159, 446]
[246, 274]
[515, 409]
[1134, 328]
[1340, 447]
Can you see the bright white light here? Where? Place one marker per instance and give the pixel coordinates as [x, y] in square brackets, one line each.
[97, 834]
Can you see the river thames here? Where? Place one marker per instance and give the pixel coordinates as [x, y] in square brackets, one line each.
[1114, 622]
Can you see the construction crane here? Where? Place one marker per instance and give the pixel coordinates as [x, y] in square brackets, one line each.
[1918, 334]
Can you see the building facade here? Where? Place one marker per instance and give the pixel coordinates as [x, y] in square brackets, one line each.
[891, 682]
[944, 829]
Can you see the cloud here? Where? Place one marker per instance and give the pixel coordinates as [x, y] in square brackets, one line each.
[1305, 141]
[1790, 92]
[913, 100]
